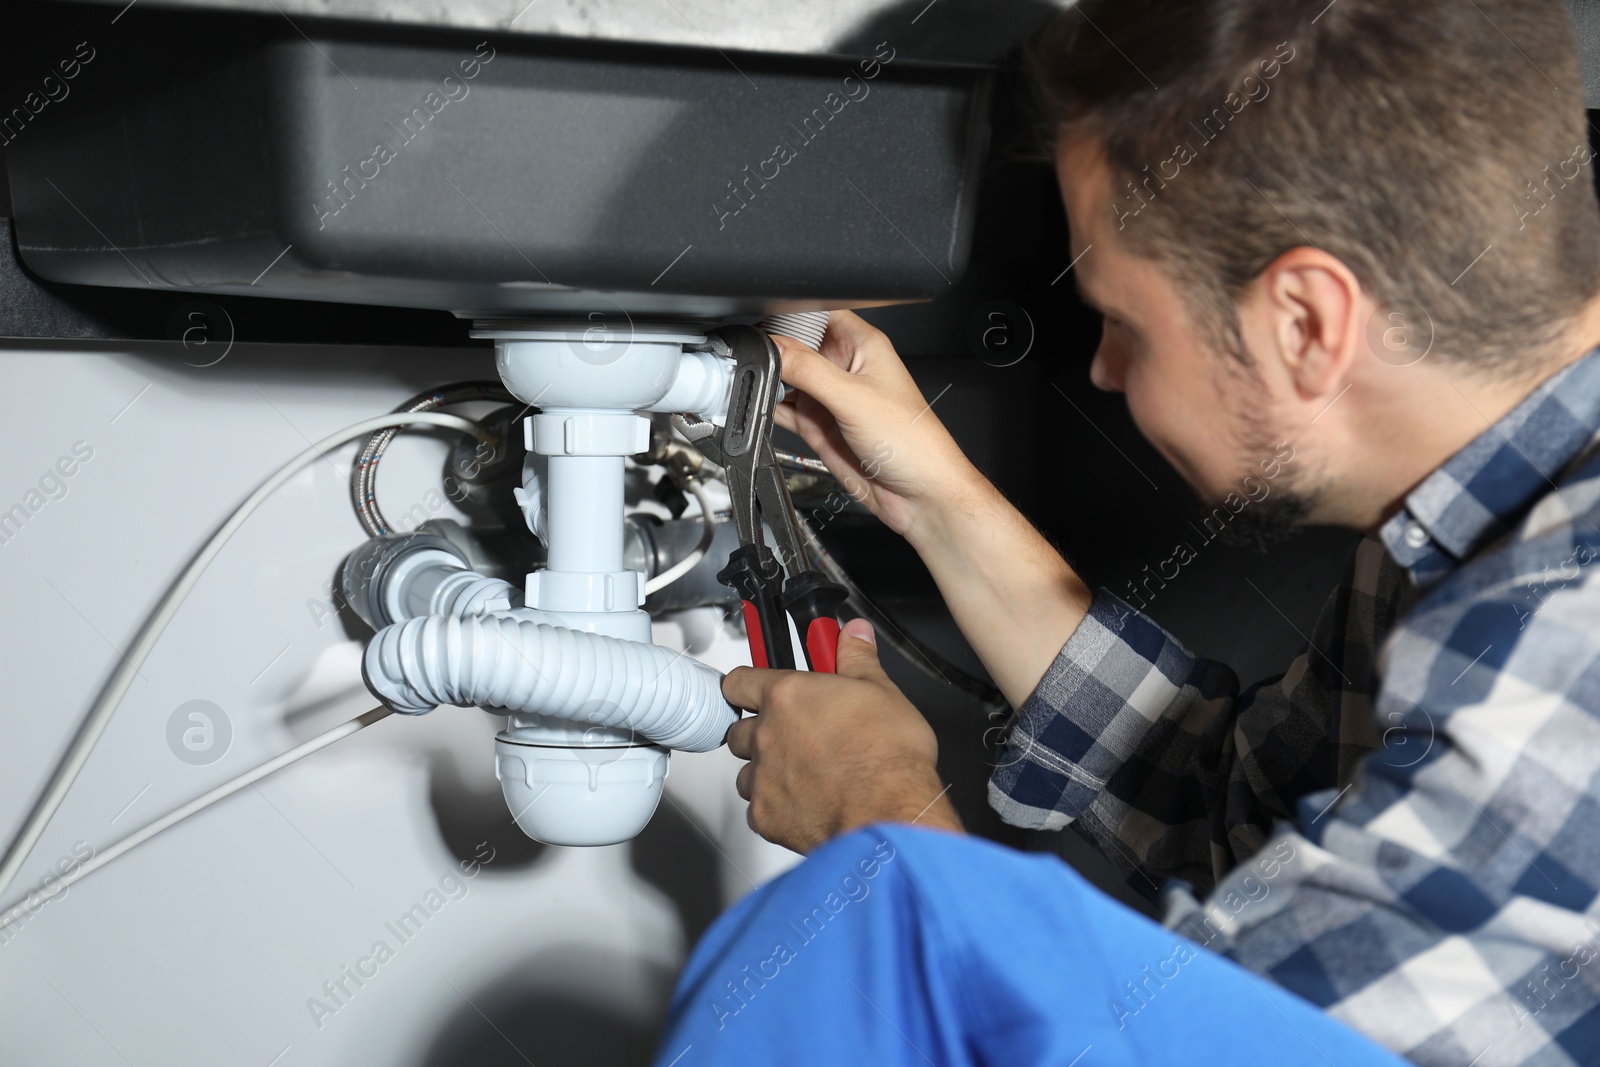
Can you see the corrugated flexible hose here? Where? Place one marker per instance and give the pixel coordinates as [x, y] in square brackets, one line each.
[508, 660]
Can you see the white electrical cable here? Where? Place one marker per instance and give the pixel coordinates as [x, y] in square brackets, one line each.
[29, 904]
[100, 715]
[687, 563]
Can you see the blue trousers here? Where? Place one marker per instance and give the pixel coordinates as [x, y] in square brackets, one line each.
[894, 945]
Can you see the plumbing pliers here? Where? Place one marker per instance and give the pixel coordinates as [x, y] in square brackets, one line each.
[742, 447]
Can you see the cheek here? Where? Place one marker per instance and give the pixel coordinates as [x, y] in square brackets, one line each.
[1182, 423]
[1156, 404]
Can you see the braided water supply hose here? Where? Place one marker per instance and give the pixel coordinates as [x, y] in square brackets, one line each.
[363, 485]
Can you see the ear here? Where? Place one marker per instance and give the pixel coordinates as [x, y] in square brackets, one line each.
[1313, 305]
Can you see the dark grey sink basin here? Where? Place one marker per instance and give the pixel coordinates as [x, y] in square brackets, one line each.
[494, 175]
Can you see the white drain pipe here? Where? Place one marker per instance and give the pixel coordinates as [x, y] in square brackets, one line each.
[594, 705]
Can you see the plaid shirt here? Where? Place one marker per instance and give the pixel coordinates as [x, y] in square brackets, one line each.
[1405, 827]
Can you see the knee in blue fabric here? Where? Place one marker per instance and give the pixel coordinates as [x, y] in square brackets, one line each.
[895, 945]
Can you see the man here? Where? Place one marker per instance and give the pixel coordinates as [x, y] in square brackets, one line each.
[1352, 247]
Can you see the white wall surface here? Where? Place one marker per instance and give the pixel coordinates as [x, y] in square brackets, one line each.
[207, 945]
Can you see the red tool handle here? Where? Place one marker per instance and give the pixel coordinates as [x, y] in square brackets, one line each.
[765, 624]
[822, 645]
[754, 633]
[814, 602]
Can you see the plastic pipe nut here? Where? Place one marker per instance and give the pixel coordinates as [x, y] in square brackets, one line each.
[599, 795]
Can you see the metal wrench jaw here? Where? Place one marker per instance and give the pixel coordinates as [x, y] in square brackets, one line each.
[758, 490]
[745, 504]
[772, 490]
[756, 385]
[742, 447]
[702, 433]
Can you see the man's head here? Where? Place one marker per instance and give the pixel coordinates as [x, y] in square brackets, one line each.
[1304, 220]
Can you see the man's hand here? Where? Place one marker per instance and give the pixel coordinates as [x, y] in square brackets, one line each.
[832, 752]
[858, 408]
[1009, 590]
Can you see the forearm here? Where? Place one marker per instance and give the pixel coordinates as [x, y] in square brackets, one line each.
[1013, 596]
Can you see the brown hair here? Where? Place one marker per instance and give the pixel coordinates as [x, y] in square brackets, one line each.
[1403, 138]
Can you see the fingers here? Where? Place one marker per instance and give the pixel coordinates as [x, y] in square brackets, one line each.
[785, 417]
[849, 338]
[847, 333]
[858, 652]
[825, 438]
[741, 738]
[752, 688]
[851, 350]
[804, 416]
[864, 350]
[807, 370]
[746, 780]
[857, 367]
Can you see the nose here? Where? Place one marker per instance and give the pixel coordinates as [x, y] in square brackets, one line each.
[1106, 370]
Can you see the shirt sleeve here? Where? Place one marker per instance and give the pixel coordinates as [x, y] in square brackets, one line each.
[1156, 756]
[1443, 902]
